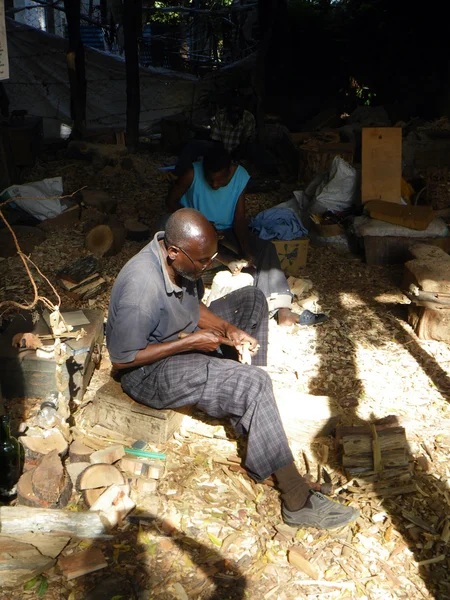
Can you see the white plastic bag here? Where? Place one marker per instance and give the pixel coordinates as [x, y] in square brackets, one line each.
[336, 192]
[38, 191]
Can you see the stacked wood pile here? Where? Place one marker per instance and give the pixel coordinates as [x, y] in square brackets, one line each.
[376, 460]
[426, 282]
[103, 474]
[82, 279]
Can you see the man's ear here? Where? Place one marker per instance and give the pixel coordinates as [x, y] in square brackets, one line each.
[172, 252]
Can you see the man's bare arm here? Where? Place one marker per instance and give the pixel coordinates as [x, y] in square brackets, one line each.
[205, 340]
[179, 188]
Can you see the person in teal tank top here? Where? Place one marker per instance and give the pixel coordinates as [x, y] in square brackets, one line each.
[216, 187]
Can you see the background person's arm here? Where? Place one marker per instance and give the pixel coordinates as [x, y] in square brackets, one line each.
[179, 188]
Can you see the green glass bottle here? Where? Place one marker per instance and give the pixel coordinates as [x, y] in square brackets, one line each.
[11, 459]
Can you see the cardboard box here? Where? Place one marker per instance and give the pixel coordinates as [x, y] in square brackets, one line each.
[292, 254]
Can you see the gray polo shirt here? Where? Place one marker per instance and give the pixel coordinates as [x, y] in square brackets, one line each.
[146, 307]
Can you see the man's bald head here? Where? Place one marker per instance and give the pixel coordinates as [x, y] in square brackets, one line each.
[187, 226]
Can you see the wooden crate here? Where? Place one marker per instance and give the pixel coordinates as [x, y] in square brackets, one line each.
[115, 410]
[24, 375]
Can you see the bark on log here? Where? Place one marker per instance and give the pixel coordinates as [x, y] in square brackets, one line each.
[27, 497]
[49, 478]
[17, 520]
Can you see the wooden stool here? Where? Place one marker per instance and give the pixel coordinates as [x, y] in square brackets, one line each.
[114, 409]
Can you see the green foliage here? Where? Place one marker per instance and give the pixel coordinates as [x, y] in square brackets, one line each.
[40, 582]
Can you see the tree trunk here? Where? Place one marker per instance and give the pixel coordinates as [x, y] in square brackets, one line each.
[132, 26]
[76, 67]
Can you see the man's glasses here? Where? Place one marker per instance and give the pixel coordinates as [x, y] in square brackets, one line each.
[203, 261]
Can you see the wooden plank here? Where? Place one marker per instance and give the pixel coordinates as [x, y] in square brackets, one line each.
[20, 562]
[82, 563]
[381, 164]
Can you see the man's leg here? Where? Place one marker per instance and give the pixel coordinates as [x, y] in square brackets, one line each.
[223, 388]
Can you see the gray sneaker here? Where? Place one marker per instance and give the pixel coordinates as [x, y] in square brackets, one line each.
[320, 512]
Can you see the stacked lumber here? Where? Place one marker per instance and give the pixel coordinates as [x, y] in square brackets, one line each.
[376, 458]
[426, 283]
[82, 278]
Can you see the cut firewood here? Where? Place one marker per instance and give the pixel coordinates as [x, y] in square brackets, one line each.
[136, 231]
[79, 452]
[101, 475]
[91, 496]
[37, 447]
[76, 565]
[110, 497]
[75, 469]
[116, 505]
[27, 497]
[108, 455]
[17, 520]
[49, 478]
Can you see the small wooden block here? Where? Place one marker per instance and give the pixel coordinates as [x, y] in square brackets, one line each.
[48, 478]
[82, 563]
[145, 468]
[109, 497]
[146, 486]
[108, 455]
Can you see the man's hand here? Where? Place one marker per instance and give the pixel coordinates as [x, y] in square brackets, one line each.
[239, 338]
[203, 340]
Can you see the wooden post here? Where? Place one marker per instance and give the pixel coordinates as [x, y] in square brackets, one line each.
[132, 26]
[76, 67]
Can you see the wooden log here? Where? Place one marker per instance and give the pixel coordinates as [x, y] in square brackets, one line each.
[97, 476]
[105, 240]
[430, 272]
[429, 324]
[36, 448]
[108, 455]
[20, 562]
[49, 479]
[27, 497]
[136, 231]
[79, 452]
[76, 565]
[18, 520]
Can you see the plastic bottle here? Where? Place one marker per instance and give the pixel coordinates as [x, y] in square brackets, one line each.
[11, 459]
[47, 415]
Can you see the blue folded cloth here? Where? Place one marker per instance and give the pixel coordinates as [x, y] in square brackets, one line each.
[278, 223]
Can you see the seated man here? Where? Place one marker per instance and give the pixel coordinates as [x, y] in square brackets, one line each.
[234, 130]
[167, 345]
[216, 188]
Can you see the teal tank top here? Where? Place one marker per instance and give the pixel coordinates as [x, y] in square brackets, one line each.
[219, 205]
